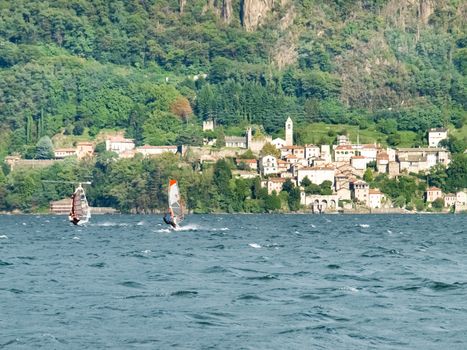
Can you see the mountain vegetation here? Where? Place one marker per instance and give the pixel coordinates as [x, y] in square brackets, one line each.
[386, 70]
[156, 68]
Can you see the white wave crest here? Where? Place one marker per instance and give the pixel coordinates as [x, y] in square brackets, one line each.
[3, 237]
[191, 227]
[364, 225]
[254, 245]
[163, 230]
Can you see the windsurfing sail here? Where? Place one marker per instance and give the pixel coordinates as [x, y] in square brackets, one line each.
[80, 210]
[175, 205]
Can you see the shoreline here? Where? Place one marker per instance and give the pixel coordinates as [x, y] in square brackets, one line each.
[4, 213]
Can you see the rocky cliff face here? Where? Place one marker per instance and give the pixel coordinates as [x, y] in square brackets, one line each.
[409, 12]
[254, 12]
[227, 10]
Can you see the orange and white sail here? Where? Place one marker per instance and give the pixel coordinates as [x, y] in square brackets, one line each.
[175, 204]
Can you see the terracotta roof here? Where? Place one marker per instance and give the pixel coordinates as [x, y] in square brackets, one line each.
[290, 156]
[374, 191]
[344, 147]
[383, 156]
[293, 147]
[433, 188]
[323, 167]
[280, 161]
[277, 179]
[357, 157]
[119, 139]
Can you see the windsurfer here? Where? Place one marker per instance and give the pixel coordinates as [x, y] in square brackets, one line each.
[72, 217]
[169, 218]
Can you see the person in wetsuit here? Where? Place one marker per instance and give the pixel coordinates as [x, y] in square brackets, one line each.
[169, 219]
[72, 217]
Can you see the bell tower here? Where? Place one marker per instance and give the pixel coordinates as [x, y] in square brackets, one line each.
[289, 132]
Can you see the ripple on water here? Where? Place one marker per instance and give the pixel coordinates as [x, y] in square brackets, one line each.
[5, 263]
[184, 293]
[332, 287]
[131, 284]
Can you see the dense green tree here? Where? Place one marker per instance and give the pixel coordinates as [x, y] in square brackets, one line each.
[368, 175]
[438, 204]
[269, 150]
[44, 148]
[457, 173]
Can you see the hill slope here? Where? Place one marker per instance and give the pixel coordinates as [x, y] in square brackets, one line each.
[87, 65]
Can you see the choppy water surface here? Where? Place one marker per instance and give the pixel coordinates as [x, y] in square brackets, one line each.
[234, 282]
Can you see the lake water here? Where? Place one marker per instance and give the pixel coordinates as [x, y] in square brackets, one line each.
[234, 282]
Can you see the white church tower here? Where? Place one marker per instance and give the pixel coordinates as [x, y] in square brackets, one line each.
[289, 132]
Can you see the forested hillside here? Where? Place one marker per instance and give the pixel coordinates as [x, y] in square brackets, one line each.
[82, 66]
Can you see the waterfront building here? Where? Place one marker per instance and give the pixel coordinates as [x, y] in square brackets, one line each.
[360, 191]
[319, 203]
[450, 199]
[461, 201]
[273, 184]
[433, 193]
[375, 198]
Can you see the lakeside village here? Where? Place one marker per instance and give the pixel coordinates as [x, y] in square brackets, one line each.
[339, 167]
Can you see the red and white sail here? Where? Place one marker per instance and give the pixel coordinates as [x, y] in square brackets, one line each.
[174, 202]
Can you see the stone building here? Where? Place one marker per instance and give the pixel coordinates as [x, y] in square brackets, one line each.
[360, 191]
[436, 135]
[268, 165]
[432, 194]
